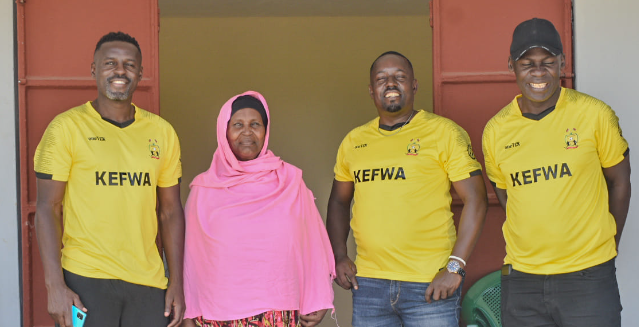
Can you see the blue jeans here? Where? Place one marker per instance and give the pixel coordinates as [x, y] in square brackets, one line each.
[390, 303]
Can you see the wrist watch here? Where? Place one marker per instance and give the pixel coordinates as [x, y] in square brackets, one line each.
[455, 268]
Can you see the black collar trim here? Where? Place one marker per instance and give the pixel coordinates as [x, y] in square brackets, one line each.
[540, 115]
[394, 127]
[121, 125]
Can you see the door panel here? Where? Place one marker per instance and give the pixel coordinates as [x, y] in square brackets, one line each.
[471, 83]
[56, 40]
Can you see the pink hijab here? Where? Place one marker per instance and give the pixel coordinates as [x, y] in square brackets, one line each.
[254, 241]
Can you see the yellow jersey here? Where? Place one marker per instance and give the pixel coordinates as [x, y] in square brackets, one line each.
[557, 215]
[112, 172]
[402, 222]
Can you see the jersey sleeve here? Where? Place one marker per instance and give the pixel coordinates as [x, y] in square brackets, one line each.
[171, 171]
[341, 169]
[460, 160]
[611, 145]
[488, 148]
[53, 157]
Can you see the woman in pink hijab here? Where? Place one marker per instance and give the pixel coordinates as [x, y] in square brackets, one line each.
[256, 249]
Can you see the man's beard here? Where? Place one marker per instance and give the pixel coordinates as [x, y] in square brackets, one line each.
[395, 107]
[118, 96]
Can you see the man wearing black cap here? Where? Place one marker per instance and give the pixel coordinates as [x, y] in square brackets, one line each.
[560, 168]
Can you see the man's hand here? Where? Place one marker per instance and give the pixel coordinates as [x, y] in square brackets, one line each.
[172, 231]
[312, 319]
[48, 225]
[60, 299]
[346, 271]
[338, 227]
[443, 286]
[174, 304]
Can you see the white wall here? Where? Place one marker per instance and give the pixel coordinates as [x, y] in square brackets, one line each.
[9, 280]
[606, 48]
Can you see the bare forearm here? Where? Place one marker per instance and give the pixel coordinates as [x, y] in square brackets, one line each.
[618, 182]
[49, 234]
[338, 227]
[470, 225]
[48, 222]
[172, 232]
[472, 191]
[619, 201]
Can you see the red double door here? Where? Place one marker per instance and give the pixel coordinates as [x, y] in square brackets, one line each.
[56, 40]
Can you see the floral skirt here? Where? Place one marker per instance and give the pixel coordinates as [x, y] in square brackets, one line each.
[266, 319]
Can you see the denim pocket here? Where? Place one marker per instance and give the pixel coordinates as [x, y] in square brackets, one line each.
[602, 271]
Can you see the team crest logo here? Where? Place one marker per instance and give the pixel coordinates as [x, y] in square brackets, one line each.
[154, 148]
[471, 154]
[413, 147]
[571, 139]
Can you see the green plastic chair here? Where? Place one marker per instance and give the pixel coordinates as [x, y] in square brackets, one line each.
[482, 304]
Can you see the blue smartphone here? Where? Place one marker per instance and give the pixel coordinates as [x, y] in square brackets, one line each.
[78, 316]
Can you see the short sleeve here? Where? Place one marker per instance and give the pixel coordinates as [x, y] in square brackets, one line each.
[611, 145]
[341, 170]
[460, 160]
[171, 170]
[53, 157]
[488, 148]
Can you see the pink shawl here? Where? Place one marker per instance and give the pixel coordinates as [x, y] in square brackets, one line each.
[254, 238]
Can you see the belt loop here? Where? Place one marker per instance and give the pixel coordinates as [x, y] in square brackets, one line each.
[506, 270]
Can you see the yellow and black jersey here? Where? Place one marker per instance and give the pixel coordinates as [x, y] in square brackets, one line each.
[558, 220]
[402, 220]
[112, 171]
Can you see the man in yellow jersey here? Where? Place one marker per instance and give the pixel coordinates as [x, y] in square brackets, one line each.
[398, 169]
[100, 168]
[560, 168]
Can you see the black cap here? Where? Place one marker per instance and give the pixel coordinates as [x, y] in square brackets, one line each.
[247, 101]
[535, 33]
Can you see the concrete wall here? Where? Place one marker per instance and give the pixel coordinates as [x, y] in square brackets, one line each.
[313, 72]
[606, 48]
[9, 274]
